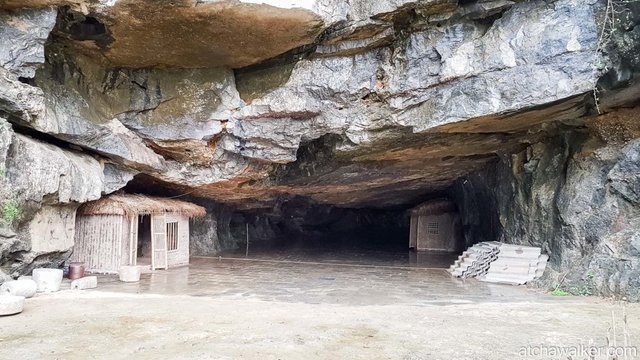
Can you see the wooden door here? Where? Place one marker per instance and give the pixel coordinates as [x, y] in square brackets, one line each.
[435, 232]
[429, 233]
[158, 242]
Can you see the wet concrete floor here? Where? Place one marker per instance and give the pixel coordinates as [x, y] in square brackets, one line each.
[275, 308]
[316, 282]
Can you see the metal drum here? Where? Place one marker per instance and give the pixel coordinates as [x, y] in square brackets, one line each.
[76, 270]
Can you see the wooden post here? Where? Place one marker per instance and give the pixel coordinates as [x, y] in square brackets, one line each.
[246, 253]
[132, 241]
[120, 237]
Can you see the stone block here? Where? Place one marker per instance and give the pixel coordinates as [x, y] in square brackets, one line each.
[10, 304]
[26, 288]
[87, 282]
[47, 280]
[129, 274]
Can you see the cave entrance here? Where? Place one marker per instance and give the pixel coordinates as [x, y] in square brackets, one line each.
[328, 234]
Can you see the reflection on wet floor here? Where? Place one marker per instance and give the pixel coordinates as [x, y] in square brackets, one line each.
[317, 283]
[423, 259]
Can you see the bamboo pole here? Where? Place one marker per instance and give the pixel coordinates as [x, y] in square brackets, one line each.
[246, 253]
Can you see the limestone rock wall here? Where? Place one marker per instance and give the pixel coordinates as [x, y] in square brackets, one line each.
[42, 186]
[211, 234]
[573, 195]
[23, 36]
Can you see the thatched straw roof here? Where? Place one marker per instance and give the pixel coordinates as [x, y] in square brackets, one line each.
[129, 204]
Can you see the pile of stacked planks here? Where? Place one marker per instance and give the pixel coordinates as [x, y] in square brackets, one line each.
[516, 265]
[475, 261]
[500, 263]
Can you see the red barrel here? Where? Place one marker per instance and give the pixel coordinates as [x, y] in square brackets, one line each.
[76, 270]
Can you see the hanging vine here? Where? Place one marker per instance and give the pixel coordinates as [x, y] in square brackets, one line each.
[613, 13]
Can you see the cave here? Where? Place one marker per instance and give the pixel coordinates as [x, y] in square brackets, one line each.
[375, 230]
[300, 230]
[323, 134]
[322, 232]
[332, 178]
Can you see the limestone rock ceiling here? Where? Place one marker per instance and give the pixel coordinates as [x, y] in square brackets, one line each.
[353, 103]
[393, 173]
[23, 4]
[190, 33]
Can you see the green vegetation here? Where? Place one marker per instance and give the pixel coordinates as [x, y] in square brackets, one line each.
[559, 292]
[10, 211]
[584, 289]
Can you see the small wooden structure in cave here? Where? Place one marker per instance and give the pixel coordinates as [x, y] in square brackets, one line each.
[124, 229]
[435, 227]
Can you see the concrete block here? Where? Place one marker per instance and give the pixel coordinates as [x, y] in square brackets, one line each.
[129, 274]
[26, 288]
[10, 304]
[47, 280]
[87, 282]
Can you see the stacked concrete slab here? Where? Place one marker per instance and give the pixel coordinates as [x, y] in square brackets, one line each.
[500, 263]
[476, 260]
[516, 265]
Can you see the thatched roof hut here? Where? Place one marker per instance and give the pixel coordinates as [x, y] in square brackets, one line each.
[133, 230]
[131, 204]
